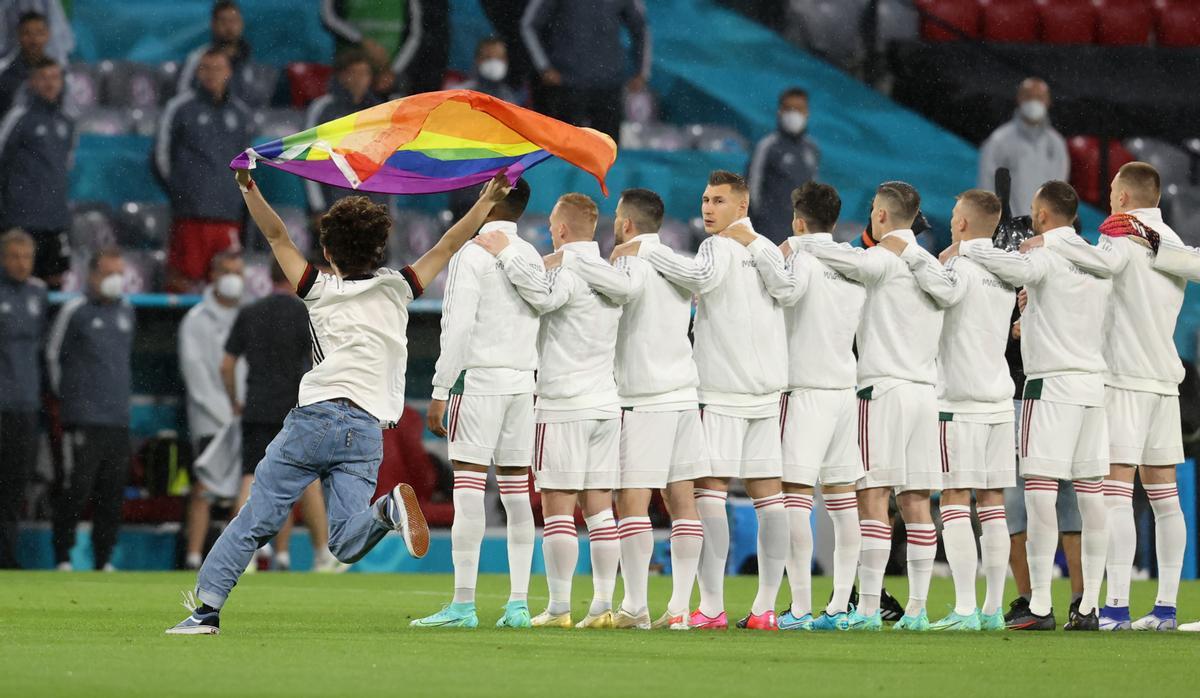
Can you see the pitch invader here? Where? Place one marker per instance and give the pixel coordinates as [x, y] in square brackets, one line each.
[577, 416]
[662, 439]
[1141, 394]
[818, 415]
[1064, 433]
[897, 420]
[484, 374]
[975, 419]
[741, 354]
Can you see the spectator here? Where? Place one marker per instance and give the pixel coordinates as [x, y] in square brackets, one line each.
[36, 144]
[227, 28]
[505, 16]
[351, 92]
[576, 49]
[33, 33]
[1028, 146]
[88, 361]
[272, 334]
[389, 36]
[781, 162]
[198, 134]
[60, 41]
[202, 337]
[22, 324]
[491, 67]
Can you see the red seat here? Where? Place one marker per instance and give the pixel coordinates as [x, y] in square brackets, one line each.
[1010, 20]
[1067, 21]
[963, 15]
[307, 81]
[1123, 22]
[1085, 167]
[1118, 157]
[1177, 23]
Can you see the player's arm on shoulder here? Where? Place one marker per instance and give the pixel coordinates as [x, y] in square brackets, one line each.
[778, 275]
[602, 277]
[868, 267]
[435, 260]
[1101, 260]
[939, 281]
[1179, 260]
[527, 275]
[700, 274]
[1012, 267]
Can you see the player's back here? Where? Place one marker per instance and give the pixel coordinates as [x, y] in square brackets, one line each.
[577, 348]
[1062, 327]
[822, 324]
[653, 353]
[971, 363]
[504, 335]
[901, 324]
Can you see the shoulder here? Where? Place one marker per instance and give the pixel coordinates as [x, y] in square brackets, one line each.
[177, 103]
[765, 145]
[236, 104]
[71, 309]
[1001, 134]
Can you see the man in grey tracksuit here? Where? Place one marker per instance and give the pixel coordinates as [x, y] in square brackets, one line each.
[782, 161]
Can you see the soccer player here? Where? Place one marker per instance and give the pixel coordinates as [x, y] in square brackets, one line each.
[1141, 395]
[897, 403]
[975, 422]
[359, 315]
[1064, 435]
[577, 417]
[485, 373]
[662, 438]
[819, 413]
[741, 354]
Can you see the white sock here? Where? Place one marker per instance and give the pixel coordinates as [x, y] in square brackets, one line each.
[1170, 539]
[710, 504]
[606, 557]
[847, 546]
[799, 560]
[876, 549]
[466, 533]
[958, 537]
[194, 560]
[772, 550]
[687, 539]
[637, 545]
[994, 545]
[560, 548]
[514, 496]
[1041, 498]
[1122, 541]
[922, 547]
[1093, 512]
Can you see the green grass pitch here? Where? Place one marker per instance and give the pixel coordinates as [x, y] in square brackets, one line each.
[92, 634]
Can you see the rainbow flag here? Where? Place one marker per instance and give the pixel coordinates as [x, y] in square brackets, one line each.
[432, 142]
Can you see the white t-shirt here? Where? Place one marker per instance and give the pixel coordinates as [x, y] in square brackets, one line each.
[360, 345]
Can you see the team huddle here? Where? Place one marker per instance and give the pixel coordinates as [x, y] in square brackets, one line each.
[866, 372]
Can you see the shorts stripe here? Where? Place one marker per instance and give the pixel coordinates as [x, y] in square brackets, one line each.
[783, 405]
[864, 448]
[945, 451]
[1026, 420]
[539, 439]
[455, 406]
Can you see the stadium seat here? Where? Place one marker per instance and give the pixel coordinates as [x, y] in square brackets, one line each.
[1181, 210]
[144, 121]
[714, 138]
[1014, 21]
[168, 79]
[1123, 22]
[130, 85]
[1173, 164]
[1118, 156]
[104, 121]
[277, 123]
[295, 219]
[92, 227]
[896, 20]
[959, 15]
[143, 226]
[1067, 21]
[1085, 167]
[1177, 23]
[828, 28]
[307, 81]
[82, 88]
[676, 234]
[259, 83]
[144, 270]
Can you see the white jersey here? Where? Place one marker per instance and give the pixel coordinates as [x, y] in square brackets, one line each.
[1062, 326]
[973, 374]
[1139, 336]
[741, 345]
[578, 336]
[902, 316]
[655, 370]
[489, 333]
[822, 323]
[360, 345]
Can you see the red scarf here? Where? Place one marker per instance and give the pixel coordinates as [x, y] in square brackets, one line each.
[1124, 225]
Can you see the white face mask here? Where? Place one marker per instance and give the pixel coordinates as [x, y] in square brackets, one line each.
[111, 286]
[792, 121]
[493, 69]
[1033, 110]
[230, 286]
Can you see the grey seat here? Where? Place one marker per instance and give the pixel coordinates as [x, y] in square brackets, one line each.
[143, 225]
[92, 226]
[295, 219]
[259, 82]
[105, 121]
[828, 28]
[1181, 210]
[130, 85]
[717, 138]
[1173, 164]
[277, 123]
[81, 87]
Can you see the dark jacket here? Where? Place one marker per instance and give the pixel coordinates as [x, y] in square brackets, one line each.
[88, 359]
[22, 326]
[780, 164]
[197, 137]
[14, 70]
[36, 140]
[582, 40]
[241, 82]
[333, 105]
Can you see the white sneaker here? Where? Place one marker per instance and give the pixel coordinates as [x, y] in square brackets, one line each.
[1190, 627]
[64, 567]
[108, 567]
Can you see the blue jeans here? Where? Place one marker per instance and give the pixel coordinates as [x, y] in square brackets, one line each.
[341, 445]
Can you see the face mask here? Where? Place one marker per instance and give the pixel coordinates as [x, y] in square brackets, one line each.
[111, 286]
[792, 121]
[230, 286]
[493, 69]
[1033, 110]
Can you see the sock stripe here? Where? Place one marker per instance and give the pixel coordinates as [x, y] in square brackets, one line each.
[559, 530]
[798, 501]
[768, 501]
[1157, 495]
[1041, 485]
[710, 494]
[985, 516]
[1088, 486]
[874, 529]
[956, 515]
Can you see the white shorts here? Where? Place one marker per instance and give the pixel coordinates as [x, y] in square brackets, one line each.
[1063, 441]
[482, 429]
[578, 455]
[1143, 428]
[898, 438]
[976, 456]
[819, 442]
[742, 447]
[661, 447]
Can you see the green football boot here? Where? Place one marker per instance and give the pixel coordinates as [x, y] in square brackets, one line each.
[961, 622]
[516, 615]
[452, 615]
[916, 624]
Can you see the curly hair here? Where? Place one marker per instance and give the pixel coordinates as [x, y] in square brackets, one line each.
[354, 233]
